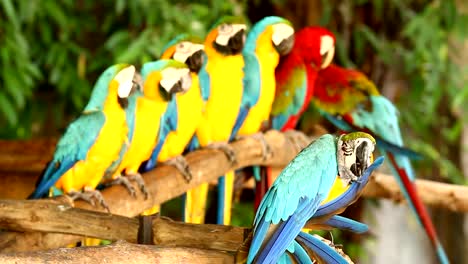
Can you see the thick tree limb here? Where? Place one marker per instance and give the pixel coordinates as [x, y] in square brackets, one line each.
[436, 194]
[56, 216]
[59, 217]
[119, 252]
[165, 183]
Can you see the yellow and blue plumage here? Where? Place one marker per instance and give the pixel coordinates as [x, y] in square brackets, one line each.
[93, 141]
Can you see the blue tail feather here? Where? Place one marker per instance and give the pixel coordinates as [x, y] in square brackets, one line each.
[323, 251]
[344, 223]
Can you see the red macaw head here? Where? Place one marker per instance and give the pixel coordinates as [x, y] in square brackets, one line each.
[316, 45]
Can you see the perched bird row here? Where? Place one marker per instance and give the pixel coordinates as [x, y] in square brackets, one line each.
[204, 95]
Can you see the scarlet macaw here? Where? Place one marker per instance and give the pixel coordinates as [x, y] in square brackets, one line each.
[349, 100]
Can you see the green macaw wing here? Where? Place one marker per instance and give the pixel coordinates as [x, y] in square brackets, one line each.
[291, 91]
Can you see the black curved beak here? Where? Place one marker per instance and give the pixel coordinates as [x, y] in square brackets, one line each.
[176, 88]
[236, 42]
[285, 46]
[195, 61]
[362, 152]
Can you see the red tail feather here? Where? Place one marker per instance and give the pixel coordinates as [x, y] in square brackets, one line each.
[417, 203]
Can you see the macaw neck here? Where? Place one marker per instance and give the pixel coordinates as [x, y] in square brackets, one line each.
[209, 47]
[111, 103]
[151, 87]
[265, 50]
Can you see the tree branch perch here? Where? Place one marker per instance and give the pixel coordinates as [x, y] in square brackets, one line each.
[174, 240]
[165, 183]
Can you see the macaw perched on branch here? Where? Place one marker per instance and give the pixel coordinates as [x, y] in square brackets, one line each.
[161, 80]
[222, 76]
[93, 142]
[268, 39]
[186, 109]
[307, 182]
[350, 101]
[314, 48]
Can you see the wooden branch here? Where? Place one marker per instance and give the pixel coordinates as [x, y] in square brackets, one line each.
[436, 194]
[56, 216]
[165, 183]
[59, 217]
[119, 252]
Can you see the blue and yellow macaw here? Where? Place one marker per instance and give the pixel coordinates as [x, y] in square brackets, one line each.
[185, 109]
[320, 173]
[268, 39]
[313, 49]
[161, 80]
[221, 75]
[93, 142]
[350, 101]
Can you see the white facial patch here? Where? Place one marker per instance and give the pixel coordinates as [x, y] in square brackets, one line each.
[227, 31]
[186, 82]
[350, 158]
[125, 80]
[281, 32]
[171, 75]
[186, 49]
[327, 46]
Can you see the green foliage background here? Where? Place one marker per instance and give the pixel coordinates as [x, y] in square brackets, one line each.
[52, 51]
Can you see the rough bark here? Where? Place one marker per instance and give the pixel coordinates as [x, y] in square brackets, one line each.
[119, 252]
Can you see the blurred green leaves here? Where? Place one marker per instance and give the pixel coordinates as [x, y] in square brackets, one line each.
[413, 38]
[52, 51]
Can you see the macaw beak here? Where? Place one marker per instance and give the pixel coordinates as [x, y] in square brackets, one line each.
[176, 88]
[327, 58]
[195, 61]
[285, 46]
[236, 42]
[362, 159]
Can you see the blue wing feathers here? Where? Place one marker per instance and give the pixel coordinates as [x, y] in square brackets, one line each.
[312, 172]
[344, 223]
[323, 251]
[204, 80]
[72, 147]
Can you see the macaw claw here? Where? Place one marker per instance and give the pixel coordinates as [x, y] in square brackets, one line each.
[180, 163]
[89, 195]
[266, 149]
[298, 139]
[140, 182]
[227, 149]
[124, 181]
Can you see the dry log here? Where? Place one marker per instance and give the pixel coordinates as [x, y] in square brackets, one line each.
[56, 216]
[434, 194]
[119, 252]
[206, 166]
[59, 217]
